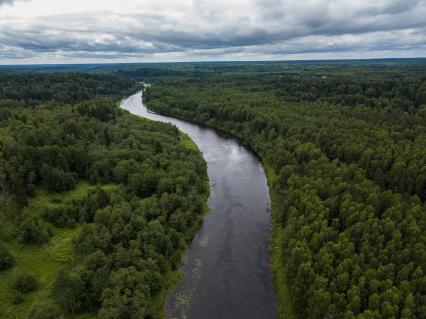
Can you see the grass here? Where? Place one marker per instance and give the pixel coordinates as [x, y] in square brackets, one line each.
[46, 261]
[44, 199]
[92, 315]
[187, 142]
[170, 281]
[42, 261]
[284, 300]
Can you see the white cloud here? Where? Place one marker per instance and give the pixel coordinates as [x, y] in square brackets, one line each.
[125, 30]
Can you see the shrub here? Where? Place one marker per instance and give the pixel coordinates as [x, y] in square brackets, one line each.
[17, 298]
[6, 258]
[70, 290]
[33, 231]
[25, 283]
[44, 310]
[62, 217]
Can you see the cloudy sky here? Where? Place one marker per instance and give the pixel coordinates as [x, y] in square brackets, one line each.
[61, 31]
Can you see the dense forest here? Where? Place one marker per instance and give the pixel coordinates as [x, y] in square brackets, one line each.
[96, 205]
[344, 145]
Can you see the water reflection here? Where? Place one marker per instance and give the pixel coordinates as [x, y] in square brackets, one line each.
[226, 268]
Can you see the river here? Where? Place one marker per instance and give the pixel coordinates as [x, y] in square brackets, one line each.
[226, 268]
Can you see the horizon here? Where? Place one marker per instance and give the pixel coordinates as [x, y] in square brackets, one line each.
[214, 62]
[212, 159]
[34, 32]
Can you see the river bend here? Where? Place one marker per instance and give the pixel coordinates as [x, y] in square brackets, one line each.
[227, 271]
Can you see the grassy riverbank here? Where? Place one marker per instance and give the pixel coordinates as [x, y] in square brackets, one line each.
[284, 300]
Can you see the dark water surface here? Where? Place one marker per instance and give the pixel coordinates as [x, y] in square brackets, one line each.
[227, 274]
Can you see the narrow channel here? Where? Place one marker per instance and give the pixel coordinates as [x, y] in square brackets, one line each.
[226, 268]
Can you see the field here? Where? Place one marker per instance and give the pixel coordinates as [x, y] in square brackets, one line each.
[42, 261]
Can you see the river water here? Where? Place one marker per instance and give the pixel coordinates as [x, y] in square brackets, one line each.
[226, 268]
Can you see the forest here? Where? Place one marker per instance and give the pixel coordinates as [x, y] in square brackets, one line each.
[344, 146]
[96, 205]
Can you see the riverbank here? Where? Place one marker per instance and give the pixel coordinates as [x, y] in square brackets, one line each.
[172, 278]
[228, 263]
[284, 301]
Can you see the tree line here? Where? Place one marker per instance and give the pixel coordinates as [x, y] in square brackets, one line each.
[63, 129]
[347, 145]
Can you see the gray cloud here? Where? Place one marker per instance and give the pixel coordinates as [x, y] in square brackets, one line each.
[4, 2]
[246, 29]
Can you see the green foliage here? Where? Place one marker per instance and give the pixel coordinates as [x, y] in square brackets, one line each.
[346, 144]
[33, 231]
[127, 296]
[44, 310]
[6, 258]
[25, 283]
[109, 199]
[30, 89]
[55, 179]
[70, 213]
[17, 297]
[70, 289]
